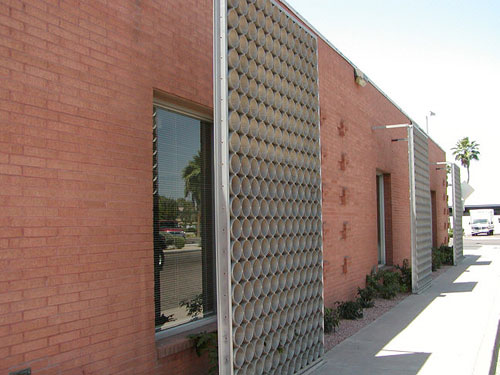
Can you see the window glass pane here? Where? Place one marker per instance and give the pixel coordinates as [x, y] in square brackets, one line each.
[184, 267]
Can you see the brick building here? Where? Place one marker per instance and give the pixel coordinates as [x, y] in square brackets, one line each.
[79, 81]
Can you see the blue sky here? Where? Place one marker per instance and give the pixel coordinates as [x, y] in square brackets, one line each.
[440, 56]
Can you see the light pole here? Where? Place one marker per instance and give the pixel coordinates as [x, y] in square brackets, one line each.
[427, 120]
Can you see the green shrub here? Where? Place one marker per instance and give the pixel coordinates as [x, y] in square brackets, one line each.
[390, 285]
[351, 310]
[179, 242]
[436, 259]
[405, 276]
[442, 255]
[169, 239]
[446, 254]
[194, 306]
[207, 343]
[384, 283]
[365, 298]
[372, 283]
[331, 320]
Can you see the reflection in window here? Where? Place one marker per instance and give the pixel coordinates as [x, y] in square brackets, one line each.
[182, 218]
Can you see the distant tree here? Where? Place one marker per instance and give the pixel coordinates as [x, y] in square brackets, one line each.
[187, 212]
[168, 208]
[465, 151]
[192, 184]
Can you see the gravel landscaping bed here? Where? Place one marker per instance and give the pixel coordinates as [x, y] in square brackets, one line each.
[347, 328]
[440, 271]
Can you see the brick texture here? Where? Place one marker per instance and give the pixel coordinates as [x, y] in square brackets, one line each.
[76, 250]
[357, 109]
[348, 113]
[77, 82]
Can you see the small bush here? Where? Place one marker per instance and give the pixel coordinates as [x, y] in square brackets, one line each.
[365, 298]
[331, 320]
[446, 254]
[436, 259]
[384, 283]
[169, 239]
[390, 285]
[194, 306]
[442, 255]
[351, 310]
[405, 276]
[372, 283]
[179, 242]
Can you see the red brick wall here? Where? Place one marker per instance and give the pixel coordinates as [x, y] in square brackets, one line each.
[77, 80]
[353, 110]
[438, 183]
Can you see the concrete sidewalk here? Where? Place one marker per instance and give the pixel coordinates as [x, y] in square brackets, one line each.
[449, 329]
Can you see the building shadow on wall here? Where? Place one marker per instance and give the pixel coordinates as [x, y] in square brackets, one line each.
[366, 352]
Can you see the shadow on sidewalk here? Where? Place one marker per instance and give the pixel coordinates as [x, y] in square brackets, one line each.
[363, 353]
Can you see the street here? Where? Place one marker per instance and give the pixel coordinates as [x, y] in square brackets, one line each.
[475, 242]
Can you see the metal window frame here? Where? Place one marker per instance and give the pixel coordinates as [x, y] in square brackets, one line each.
[182, 110]
[204, 321]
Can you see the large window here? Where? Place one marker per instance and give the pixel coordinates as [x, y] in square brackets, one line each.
[182, 218]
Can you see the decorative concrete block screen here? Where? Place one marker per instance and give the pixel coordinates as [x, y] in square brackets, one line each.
[458, 210]
[420, 206]
[268, 97]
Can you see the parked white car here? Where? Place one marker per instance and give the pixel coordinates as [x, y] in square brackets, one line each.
[481, 221]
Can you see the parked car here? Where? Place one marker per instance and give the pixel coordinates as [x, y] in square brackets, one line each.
[171, 227]
[482, 222]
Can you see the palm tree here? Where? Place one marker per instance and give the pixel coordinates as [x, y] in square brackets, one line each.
[465, 151]
[192, 184]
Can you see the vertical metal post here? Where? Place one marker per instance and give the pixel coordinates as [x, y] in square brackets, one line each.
[456, 193]
[320, 156]
[413, 209]
[221, 153]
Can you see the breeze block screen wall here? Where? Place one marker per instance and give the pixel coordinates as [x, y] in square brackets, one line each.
[420, 207]
[458, 209]
[269, 64]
